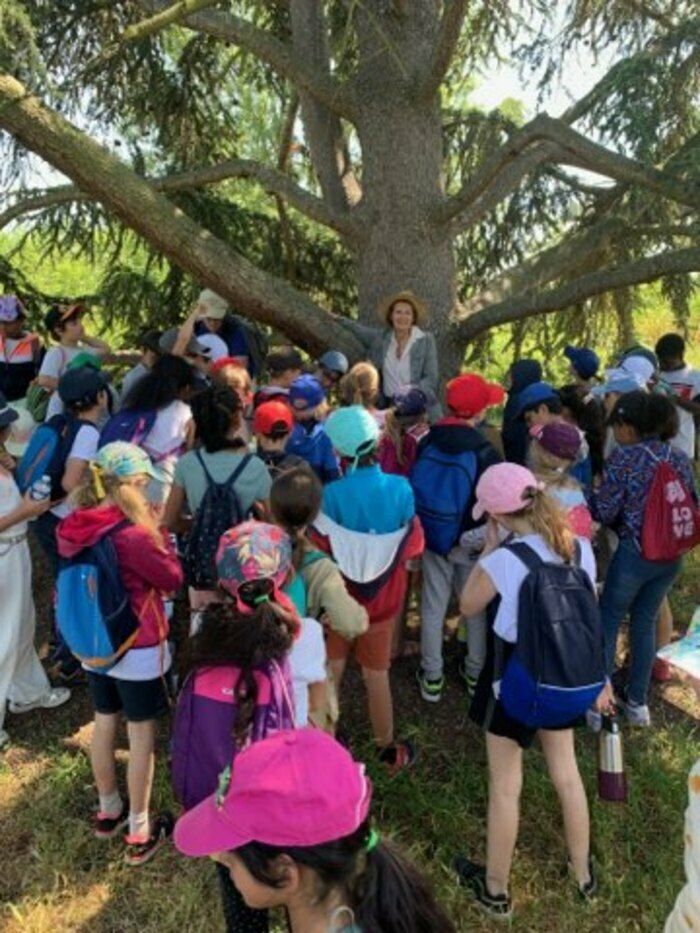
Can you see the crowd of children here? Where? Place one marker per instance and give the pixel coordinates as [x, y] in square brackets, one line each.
[286, 516]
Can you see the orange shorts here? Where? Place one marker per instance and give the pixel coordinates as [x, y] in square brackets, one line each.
[372, 650]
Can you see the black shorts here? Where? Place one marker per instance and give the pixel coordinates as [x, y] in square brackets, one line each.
[486, 711]
[140, 700]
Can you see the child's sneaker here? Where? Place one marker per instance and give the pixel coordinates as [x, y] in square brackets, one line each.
[138, 853]
[467, 678]
[430, 690]
[589, 889]
[473, 877]
[397, 757]
[594, 720]
[54, 697]
[637, 714]
[107, 827]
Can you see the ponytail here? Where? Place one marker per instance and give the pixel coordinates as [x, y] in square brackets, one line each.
[295, 501]
[98, 485]
[394, 430]
[550, 521]
[360, 386]
[230, 638]
[386, 893]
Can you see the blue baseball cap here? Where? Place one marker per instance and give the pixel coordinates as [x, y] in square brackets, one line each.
[585, 361]
[335, 361]
[81, 385]
[306, 392]
[534, 395]
[353, 431]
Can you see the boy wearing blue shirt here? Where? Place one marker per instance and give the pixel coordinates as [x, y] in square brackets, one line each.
[308, 439]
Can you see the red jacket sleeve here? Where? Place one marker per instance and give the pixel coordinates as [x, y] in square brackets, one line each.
[159, 567]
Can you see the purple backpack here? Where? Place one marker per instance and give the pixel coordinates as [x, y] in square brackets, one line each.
[203, 741]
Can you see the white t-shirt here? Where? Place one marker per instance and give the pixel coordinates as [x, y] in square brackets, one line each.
[84, 447]
[507, 573]
[686, 386]
[396, 373]
[54, 365]
[307, 661]
[168, 435]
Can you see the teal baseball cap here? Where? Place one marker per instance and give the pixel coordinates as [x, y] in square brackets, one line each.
[353, 431]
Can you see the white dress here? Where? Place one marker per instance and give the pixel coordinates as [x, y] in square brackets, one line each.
[22, 677]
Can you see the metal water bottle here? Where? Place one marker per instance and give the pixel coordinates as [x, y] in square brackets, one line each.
[612, 781]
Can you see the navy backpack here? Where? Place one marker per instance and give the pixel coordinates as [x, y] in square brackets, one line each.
[557, 667]
[129, 425]
[93, 609]
[218, 511]
[47, 453]
[443, 484]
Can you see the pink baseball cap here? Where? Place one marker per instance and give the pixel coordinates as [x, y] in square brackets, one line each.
[504, 488]
[297, 788]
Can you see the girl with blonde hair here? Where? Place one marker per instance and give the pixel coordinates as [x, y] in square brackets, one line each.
[517, 503]
[111, 503]
[360, 386]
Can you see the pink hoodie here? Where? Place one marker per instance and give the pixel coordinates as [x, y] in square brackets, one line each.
[147, 570]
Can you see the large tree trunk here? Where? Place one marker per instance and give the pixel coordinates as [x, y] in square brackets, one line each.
[402, 162]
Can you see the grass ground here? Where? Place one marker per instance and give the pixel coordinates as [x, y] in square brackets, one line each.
[55, 877]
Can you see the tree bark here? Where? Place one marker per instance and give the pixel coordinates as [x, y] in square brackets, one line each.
[259, 296]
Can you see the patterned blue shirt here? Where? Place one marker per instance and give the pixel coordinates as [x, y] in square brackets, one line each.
[629, 473]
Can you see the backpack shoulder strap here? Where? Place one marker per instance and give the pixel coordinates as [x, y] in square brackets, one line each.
[239, 469]
[525, 554]
[207, 475]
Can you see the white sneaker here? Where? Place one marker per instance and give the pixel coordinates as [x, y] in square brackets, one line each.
[56, 696]
[4, 740]
[637, 713]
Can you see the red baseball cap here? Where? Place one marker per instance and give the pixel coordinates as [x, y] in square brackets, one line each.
[469, 394]
[273, 417]
[298, 788]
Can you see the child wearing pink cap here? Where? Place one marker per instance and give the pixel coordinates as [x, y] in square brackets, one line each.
[237, 679]
[290, 822]
[516, 501]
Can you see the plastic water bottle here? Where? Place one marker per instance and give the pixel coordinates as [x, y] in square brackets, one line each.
[612, 781]
[40, 490]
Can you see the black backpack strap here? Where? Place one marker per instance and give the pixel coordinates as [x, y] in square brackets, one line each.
[232, 478]
[578, 555]
[524, 553]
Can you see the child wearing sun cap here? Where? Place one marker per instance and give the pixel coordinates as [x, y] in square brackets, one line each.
[535, 530]
[368, 526]
[405, 424]
[239, 685]
[112, 506]
[308, 439]
[300, 797]
[451, 458]
[554, 449]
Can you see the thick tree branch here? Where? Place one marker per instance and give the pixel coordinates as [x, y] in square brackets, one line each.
[453, 17]
[256, 294]
[279, 55]
[505, 168]
[273, 180]
[322, 127]
[572, 256]
[580, 289]
[167, 17]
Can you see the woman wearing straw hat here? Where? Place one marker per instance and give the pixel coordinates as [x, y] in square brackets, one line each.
[404, 354]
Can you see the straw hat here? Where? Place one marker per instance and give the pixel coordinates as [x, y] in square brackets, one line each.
[419, 307]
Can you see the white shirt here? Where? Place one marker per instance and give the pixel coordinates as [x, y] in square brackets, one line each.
[55, 364]
[507, 573]
[685, 383]
[307, 661]
[396, 373]
[85, 445]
